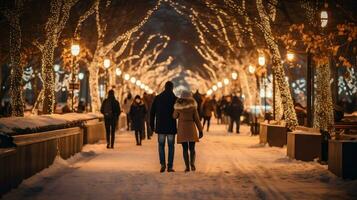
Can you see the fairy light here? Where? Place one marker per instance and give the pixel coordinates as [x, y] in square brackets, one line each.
[214, 88]
[226, 81]
[234, 75]
[126, 77]
[251, 69]
[132, 79]
[118, 72]
[219, 84]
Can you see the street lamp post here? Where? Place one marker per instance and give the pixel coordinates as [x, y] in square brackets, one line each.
[261, 62]
[75, 49]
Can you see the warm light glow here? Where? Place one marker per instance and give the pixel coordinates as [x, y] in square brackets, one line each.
[220, 84]
[234, 75]
[126, 77]
[324, 18]
[209, 92]
[106, 63]
[142, 86]
[146, 87]
[215, 88]
[118, 71]
[226, 81]
[56, 67]
[290, 56]
[138, 83]
[261, 60]
[80, 76]
[133, 79]
[75, 49]
[251, 69]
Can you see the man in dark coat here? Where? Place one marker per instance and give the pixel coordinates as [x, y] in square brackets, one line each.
[111, 110]
[162, 122]
[234, 110]
[198, 97]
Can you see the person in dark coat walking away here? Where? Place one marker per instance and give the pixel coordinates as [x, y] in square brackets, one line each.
[137, 115]
[208, 106]
[110, 109]
[198, 97]
[188, 120]
[148, 99]
[162, 122]
[235, 110]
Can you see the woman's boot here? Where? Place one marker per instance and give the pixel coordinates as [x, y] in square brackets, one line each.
[187, 162]
[193, 158]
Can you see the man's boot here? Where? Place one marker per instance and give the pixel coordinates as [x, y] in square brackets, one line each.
[162, 169]
[187, 161]
[137, 138]
[193, 158]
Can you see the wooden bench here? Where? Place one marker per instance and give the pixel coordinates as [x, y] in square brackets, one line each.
[304, 144]
[94, 130]
[35, 152]
[343, 158]
[272, 134]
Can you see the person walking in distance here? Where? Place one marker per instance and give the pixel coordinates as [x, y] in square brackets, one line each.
[208, 106]
[126, 107]
[188, 120]
[137, 115]
[148, 99]
[235, 110]
[162, 122]
[110, 109]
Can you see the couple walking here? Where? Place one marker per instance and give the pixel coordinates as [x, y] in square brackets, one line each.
[166, 108]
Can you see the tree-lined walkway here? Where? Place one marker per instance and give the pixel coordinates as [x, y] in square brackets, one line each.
[228, 167]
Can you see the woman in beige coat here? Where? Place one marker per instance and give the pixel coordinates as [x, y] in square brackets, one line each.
[188, 120]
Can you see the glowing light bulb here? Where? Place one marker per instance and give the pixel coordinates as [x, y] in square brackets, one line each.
[234, 75]
[215, 88]
[209, 92]
[220, 84]
[106, 63]
[261, 60]
[56, 67]
[126, 77]
[118, 71]
[75, 49]
[226, 81]
[133, 79]
[290, 56]
[138, 83]
[251, 69]
[80, 76]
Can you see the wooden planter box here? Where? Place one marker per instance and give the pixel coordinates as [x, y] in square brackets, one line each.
[343, 158]
[274, 135]
[35, 152]
[94, 130]
[304, 144]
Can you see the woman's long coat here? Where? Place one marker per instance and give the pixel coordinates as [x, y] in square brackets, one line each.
[188, 120]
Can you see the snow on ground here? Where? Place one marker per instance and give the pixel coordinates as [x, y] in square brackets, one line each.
[229, 166]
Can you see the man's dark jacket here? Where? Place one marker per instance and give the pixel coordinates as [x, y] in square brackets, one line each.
[161, 120]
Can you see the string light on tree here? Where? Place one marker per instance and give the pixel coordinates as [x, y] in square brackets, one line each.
[126, 77]
[226, 81]
[118, 72]
[251, 69]
[219, 84]
[234, 75]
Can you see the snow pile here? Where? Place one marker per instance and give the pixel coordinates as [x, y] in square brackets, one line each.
[28, 124]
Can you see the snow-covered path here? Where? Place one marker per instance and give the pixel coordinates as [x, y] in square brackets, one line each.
[228, 167]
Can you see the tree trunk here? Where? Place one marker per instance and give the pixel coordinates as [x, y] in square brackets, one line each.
[16, 89]
[48, 76]
[283, 86]
[323, 113]
[93, 84]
